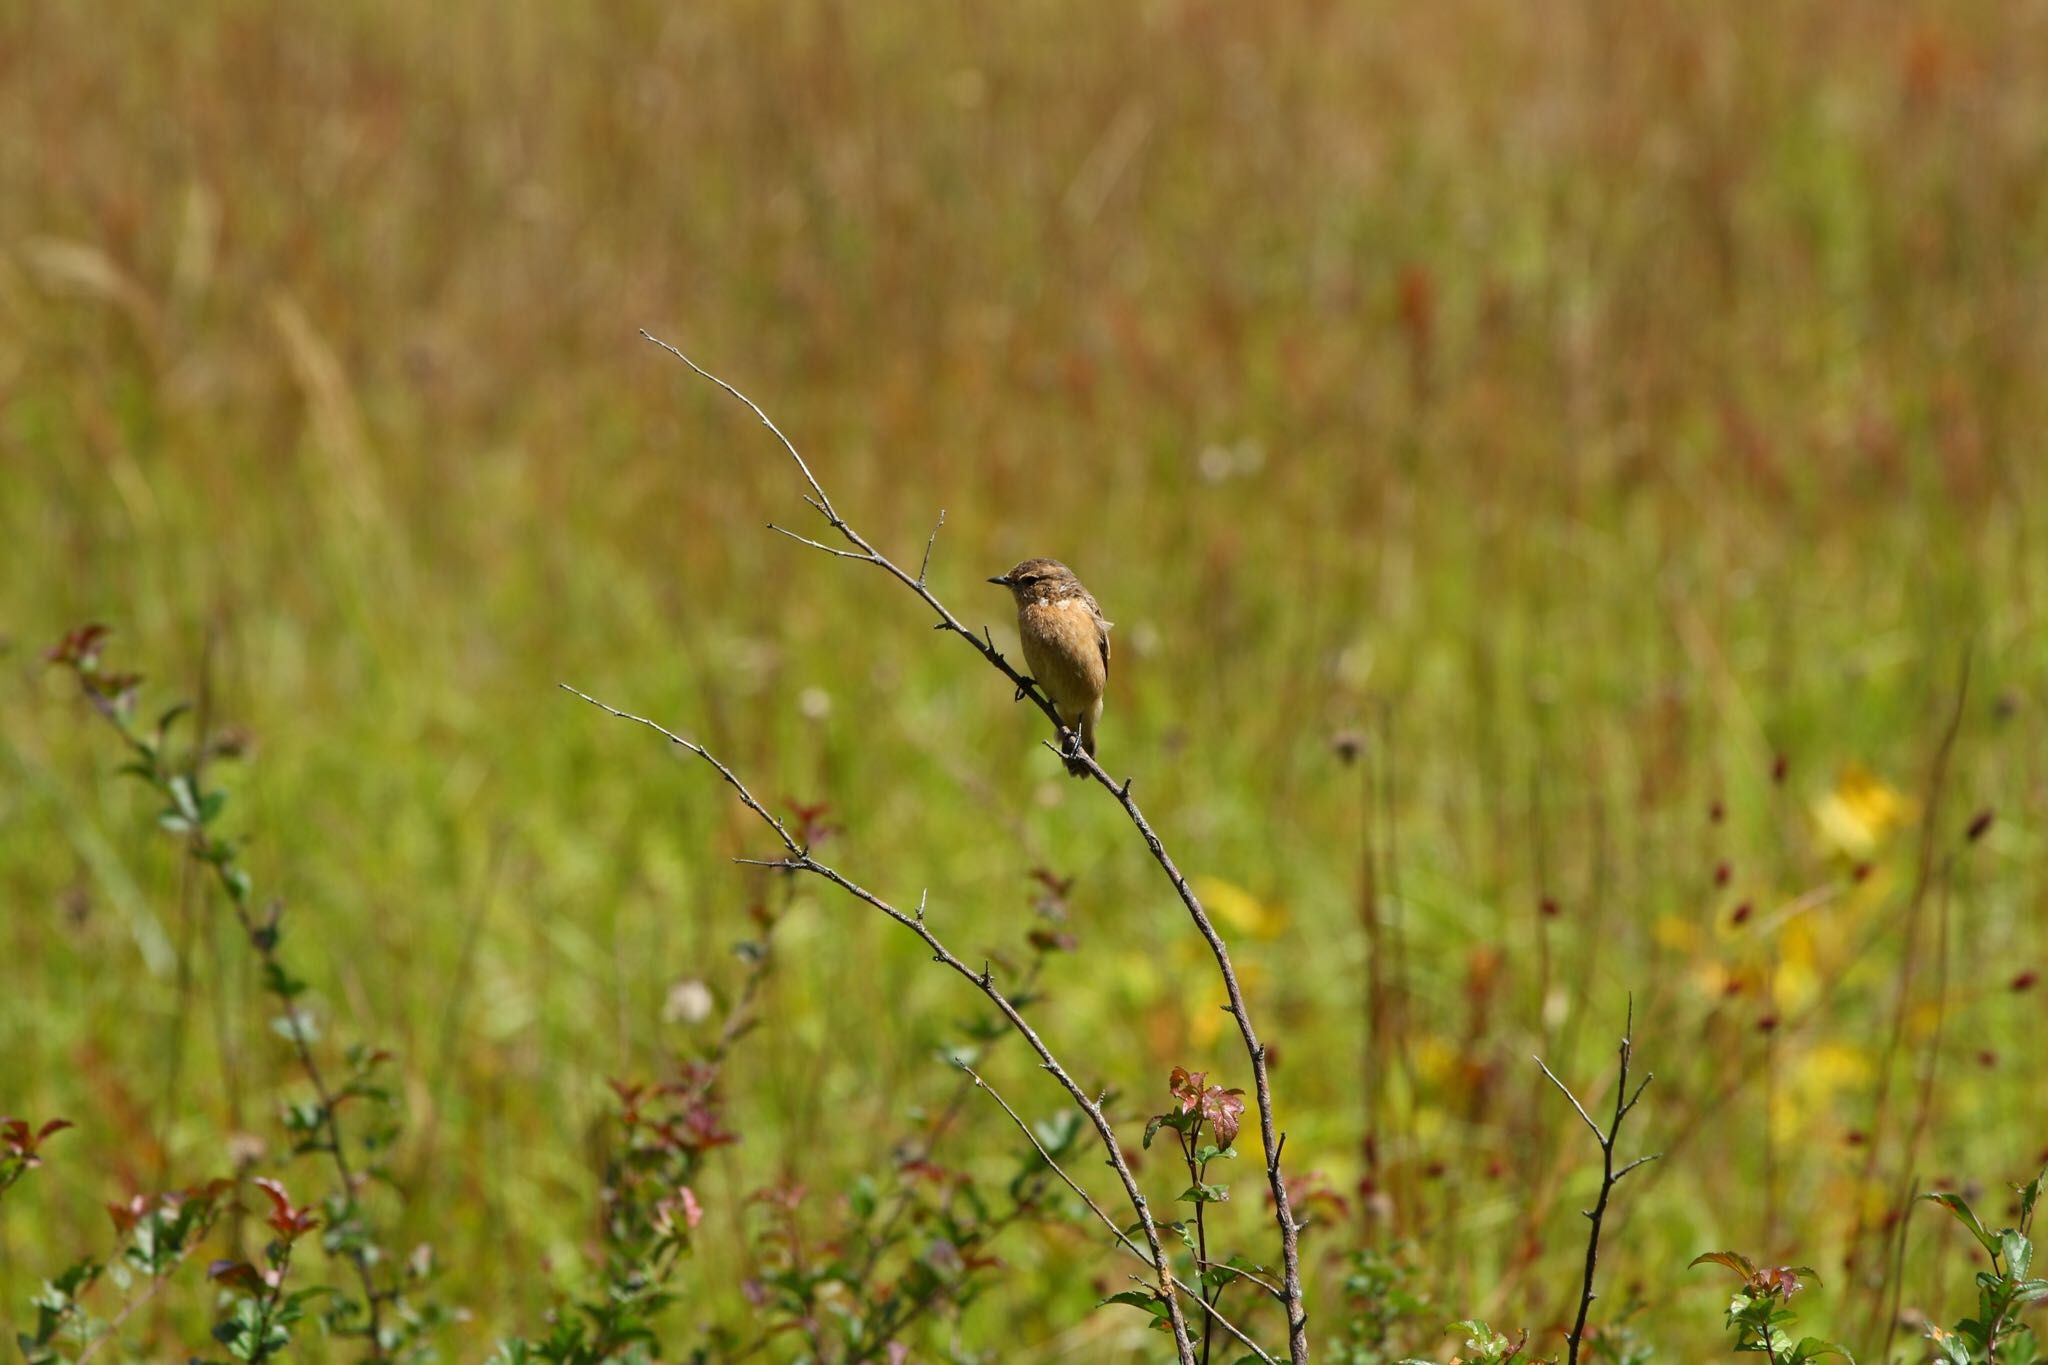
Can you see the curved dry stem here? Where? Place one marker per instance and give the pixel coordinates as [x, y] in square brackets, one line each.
[1270, 1137]
[799, 859]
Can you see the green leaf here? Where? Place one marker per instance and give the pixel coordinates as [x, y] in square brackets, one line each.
[1960, 1207]
[1152, 1129]
[295, 1028]
[281, 983]
[185, 796]
[2030, 1194]
[1952, 1347]
[1479, 1336]
[862, 1197]
[2018, 1253]
[1812, 1348]
[1059, 1133]
[1140, 1298]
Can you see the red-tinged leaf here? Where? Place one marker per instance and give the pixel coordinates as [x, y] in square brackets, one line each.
[1052, 881]
[240, 1274]
[127, 1215]
[1734, 1260]
[931, 1171]
[810, 822]
[1224, 1109]
[1782, 1280]
[280, 1202]
[693, 1212]
[80, 647]
[288, 1222]
[209, 1190]
[1315, 1190]
[53, 1126]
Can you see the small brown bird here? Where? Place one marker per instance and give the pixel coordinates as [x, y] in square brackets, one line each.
[1066, 645]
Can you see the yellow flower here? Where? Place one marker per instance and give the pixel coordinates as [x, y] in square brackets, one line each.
[1860, 813]
[1797, 981]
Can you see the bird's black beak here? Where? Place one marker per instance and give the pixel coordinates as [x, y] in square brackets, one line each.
[1001, 580]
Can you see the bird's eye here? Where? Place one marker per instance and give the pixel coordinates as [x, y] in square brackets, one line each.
[1027, 580]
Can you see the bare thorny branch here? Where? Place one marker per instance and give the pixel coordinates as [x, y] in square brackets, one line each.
[1272, 1140]
[1624, 1103]
[800, 859]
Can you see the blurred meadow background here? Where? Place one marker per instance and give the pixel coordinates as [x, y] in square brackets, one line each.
[1548, 466]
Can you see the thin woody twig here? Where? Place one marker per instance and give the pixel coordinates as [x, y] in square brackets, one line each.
[1566, 1092]
[1609, 1176]
[800, 859]
[1270, 1137]
[818, 545]
[822, 503]
[933, 539]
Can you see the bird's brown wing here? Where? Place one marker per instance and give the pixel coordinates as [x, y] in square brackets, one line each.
[1101, 633]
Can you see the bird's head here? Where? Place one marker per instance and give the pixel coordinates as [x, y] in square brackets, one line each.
[1039, 580]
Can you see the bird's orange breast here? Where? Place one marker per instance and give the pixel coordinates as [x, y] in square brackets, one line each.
[1063, 646]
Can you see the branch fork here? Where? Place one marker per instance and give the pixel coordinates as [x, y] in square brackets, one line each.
[859, 548]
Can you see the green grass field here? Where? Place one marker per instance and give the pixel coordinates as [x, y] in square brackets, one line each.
[1591, 407]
